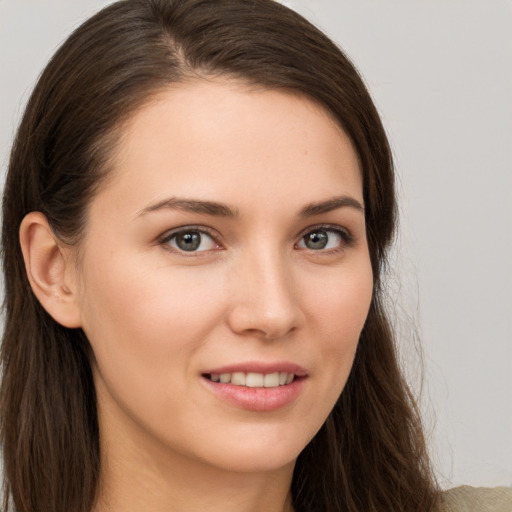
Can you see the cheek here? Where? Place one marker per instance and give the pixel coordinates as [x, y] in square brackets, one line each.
[143, 322]
[146, 302]
[343, 302]
[341, 310]
[145, 330]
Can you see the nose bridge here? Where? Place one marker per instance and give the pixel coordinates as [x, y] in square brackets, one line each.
[265, 300]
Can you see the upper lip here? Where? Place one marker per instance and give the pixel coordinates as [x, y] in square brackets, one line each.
[260, 367]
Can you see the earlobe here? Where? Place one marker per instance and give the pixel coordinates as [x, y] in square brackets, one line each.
[47, 263]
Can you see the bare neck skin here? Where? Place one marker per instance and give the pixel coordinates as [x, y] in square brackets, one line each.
[136, 476]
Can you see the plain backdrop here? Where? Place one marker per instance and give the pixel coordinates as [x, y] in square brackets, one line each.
[440, 72]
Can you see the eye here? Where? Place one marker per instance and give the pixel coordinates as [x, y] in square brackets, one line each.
[190, 240]
[322, 239]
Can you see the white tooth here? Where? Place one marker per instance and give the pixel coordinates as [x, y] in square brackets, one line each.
[254, 380]
[238, 379]
[225, 377]
[289, 378]
[215, 377]
[271, 380]
[282, 378]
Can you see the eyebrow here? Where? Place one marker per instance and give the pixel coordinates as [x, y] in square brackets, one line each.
[222, 210]
[334, 203]
[192, 205]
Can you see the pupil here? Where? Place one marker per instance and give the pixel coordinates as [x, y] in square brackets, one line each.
[317, 240]
[188, 241]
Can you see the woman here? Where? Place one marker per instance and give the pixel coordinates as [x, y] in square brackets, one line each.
[196, 216]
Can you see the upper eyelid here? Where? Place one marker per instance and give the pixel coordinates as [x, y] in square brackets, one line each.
[167, 235]
[326, 227]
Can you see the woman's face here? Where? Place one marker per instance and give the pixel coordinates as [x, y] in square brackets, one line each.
[224, 278]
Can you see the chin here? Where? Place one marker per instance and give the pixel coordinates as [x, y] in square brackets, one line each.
[251, 463]
[258, 452]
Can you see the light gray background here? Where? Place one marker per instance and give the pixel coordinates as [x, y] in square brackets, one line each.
[441, 74]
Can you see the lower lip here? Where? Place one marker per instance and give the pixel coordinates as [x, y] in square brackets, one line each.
[257, 399]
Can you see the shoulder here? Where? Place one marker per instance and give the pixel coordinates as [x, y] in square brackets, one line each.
[477, 499]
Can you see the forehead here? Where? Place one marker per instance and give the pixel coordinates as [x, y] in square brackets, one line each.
[219, 138]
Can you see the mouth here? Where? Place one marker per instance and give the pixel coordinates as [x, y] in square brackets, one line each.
[253, 379]
[257, 386]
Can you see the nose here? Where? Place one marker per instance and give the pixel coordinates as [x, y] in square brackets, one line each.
[264, 299]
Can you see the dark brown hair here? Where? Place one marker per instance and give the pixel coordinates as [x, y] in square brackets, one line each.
[370, 454]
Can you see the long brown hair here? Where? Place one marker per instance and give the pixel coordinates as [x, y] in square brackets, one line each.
[370, 455]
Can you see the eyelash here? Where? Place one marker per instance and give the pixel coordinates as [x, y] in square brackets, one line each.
[346, 238]
[344, 234]
[169, 236]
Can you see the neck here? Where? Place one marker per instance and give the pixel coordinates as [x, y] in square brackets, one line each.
[129, 489]
[135, 477]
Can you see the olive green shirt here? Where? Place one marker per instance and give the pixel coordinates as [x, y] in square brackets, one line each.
[477, 499]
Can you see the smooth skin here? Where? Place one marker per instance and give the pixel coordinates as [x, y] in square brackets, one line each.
[230, 230]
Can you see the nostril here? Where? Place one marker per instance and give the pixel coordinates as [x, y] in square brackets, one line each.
[247, 320]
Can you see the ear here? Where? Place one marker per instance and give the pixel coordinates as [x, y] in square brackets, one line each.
[50, 270]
